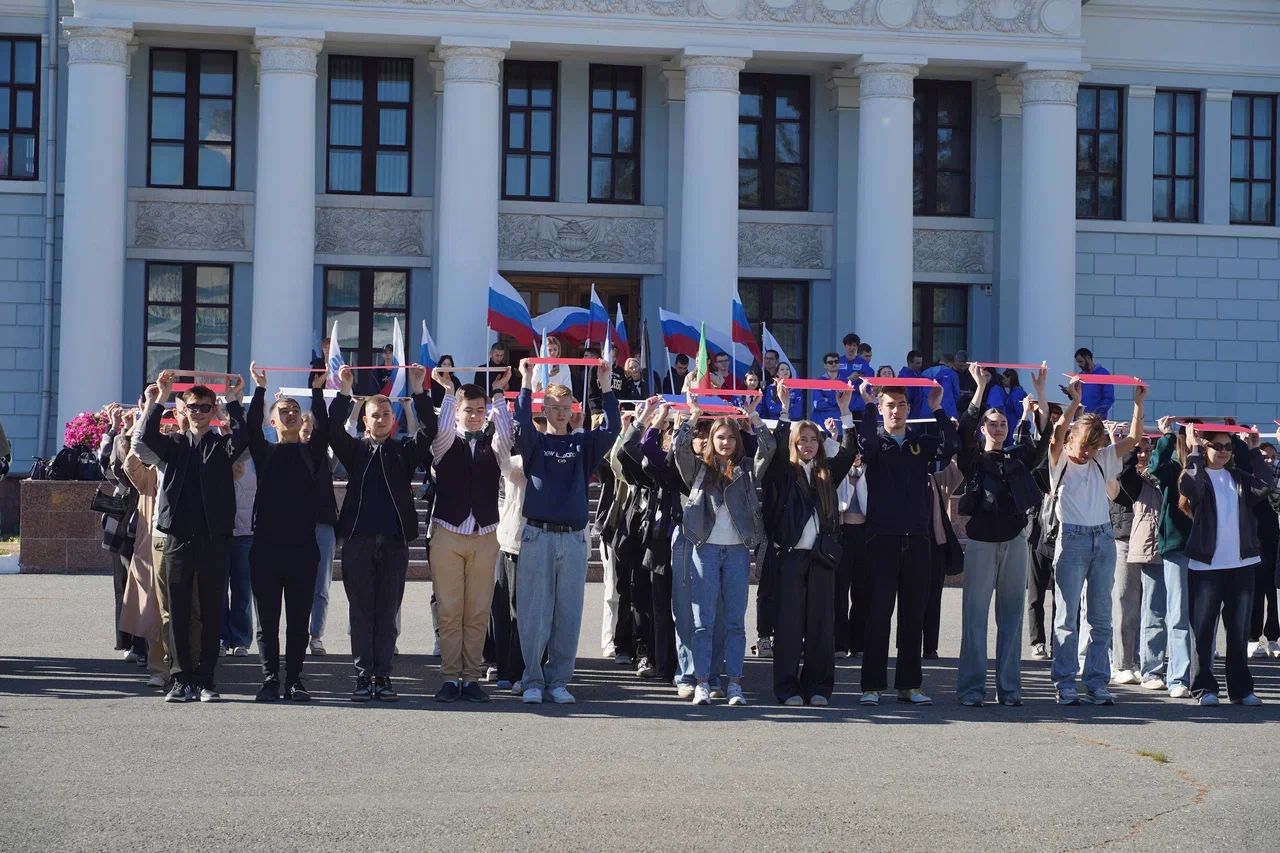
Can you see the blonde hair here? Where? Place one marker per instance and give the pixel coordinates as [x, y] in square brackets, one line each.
[558, 391]
[1090, 429]
[709, 452]
[821, 475]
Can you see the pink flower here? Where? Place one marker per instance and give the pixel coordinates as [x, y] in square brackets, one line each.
[85, 431]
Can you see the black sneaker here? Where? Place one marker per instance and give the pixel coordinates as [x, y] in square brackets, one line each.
[929, 654]
[179, 693]
[646, 669]
[295, 692]
[449, 692]
[269, 691]
[473, 692]
[364, 689]
[383, 691]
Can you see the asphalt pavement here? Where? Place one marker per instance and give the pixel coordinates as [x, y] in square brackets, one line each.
[91, 759]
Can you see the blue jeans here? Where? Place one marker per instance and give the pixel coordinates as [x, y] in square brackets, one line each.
[549, 588]
[237, 607]
[1166, 621]
[998, 568]
[719, 585]
[324, 576]
[682, 611]
[1084, 563]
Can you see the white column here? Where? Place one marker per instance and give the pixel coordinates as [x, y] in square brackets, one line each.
[1007, 113]
[883, 265]
[1215, 183]
[91, 347]
[1139, 154]
[709, 202]
[844, 101]
[1047, 259]
[284, 220]
[468, 193]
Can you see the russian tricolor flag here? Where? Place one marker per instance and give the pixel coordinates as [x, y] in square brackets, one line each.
[741, 330]
[598, 327]
[681, 335]
[508, 315]
[620, 343]
[568, 323]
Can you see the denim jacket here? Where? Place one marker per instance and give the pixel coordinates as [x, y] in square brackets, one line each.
[738, 493]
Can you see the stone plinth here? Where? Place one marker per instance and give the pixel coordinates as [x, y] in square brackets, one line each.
[59, 533]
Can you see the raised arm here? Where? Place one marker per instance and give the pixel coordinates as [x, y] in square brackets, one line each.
[343, 443]
[765, 448]
[869, 428]
[682, 449]
[253, 421]
[1124, 445]
[418, 445]
[160, 446]
[445, 437]
[840, 464]
[1059, 439]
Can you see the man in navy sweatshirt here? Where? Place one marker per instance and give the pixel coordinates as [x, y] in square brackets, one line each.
[554, 545]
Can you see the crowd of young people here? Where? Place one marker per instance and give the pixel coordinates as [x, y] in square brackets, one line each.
[1145, 548]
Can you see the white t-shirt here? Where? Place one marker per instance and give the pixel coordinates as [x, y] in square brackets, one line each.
[1083, 498]
[1226, 553]
[723, 532]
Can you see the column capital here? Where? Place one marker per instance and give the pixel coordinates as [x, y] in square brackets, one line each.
[471, 60]
[1211, 95]
[887, 76]
[97, 42]
[288, 51]
[844, 86]
[673, 76]
[1006, 101]
[712, 69]
[1050, 84]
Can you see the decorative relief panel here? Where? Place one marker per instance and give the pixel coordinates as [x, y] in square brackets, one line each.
[947, 251]
[370, 231]
[182, 225]
[784, 246]
[1051, 17]
[591, 239]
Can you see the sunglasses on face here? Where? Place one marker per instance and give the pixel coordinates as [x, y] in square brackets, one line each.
[200, 408]
[1219, 446]
[830, 361]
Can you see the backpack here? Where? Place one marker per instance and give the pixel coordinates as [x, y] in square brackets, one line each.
[74, 464]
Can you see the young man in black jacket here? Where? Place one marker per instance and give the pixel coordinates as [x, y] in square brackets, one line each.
[197, 511]
[290, 502]
[377, 523]
[899, 512]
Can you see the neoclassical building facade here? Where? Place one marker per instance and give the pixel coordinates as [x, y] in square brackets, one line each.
[198, 184]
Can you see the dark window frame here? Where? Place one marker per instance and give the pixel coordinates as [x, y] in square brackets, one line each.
[1172, 176]
[187, 305]
[926, 94]
[925, 322]
[767, 86]
[11, 129]
[615, 73]
[1250, 138]
[366, 309]
[1094, 175]
[764, 290]
[370, 129]
[528, 110]
[191, 117]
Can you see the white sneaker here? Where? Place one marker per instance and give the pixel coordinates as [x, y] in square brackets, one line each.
[1124, 676]
[1179, 691]
[1251, 700]
[1273, 648]
[1256, 647]
[1039, 652]
[818, 701]
[561, 696]
[131, 656]
[870, 697]
[915, 696]
[1155, 682]
[317, 647]
[717, 692]
[517, 688]
[793, 701]
[157, 681]
[490, 674]
[684, 691]
[240, 651]
[1209, 699]
[735, 694]
[701, 695]
[532, 696]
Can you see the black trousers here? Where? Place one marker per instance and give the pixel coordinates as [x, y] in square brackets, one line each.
[195, 567]
[806, 625]
[851, 590]
[1039, 585]
[278, 570]
[767, 591]
[1228, 592]
[502, 622]
[641, 600]
[664, 626]
[624, 632]
[933, 600]
[1264, 621]
[373, 573]
[899, 572]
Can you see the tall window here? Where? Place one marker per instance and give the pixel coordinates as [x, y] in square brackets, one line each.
[941, 129]
[1099, 116]
[19, 108]
[188, 318]
[940, 319]
[615, 133]
[365, 303]
[773, 142]
[1176, 190]
[192, 119]
[370, 124]
[529, 130]
[784, 307]
[1253, 156]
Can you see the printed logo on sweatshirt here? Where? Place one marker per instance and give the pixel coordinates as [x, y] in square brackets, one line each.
[560, 458]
